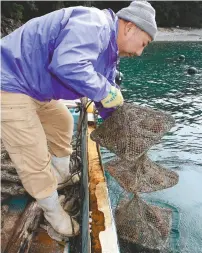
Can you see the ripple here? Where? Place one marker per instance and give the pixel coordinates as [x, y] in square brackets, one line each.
[160, 81]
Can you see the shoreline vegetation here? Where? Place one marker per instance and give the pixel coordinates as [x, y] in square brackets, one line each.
[177, 21]
[171, 34]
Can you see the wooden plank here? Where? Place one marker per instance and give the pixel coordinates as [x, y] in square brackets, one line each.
[103, 236]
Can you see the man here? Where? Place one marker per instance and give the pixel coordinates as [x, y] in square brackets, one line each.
[66, 54]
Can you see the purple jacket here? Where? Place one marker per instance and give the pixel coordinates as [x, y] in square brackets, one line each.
[66, 54]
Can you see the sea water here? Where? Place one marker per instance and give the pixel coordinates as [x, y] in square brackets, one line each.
[158, 79]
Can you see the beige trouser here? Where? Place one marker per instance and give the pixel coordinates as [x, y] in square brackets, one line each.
[27, 126]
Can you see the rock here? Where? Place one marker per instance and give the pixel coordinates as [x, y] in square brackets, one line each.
[8, 25]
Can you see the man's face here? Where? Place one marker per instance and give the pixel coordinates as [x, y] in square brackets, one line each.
[131, 40]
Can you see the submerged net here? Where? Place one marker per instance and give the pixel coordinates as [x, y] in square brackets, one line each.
[129, 133]
[146, 225]
[143, 175]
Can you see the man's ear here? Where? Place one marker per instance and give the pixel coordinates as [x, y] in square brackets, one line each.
[129, 25]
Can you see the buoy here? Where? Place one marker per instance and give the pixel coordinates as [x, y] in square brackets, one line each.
[192, 70]
[181, 57]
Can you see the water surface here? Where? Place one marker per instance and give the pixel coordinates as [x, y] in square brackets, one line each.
[159, 80]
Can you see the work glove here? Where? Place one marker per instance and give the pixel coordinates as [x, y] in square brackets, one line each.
[113, 99]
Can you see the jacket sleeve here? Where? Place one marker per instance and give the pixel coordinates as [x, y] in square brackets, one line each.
[77, 49]
[107, 112]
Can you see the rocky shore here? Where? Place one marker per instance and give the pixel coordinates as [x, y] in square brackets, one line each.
[179, 34]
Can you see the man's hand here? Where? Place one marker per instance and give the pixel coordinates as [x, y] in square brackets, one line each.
[113, 99]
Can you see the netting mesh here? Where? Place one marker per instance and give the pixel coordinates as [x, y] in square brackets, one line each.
[143, 175]
[129, 133]
[132, 130]
[146, 225]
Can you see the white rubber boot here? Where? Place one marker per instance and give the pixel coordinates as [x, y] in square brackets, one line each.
[57, 217]
[61, 168]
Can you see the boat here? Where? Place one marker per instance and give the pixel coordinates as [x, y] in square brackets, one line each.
[22, 231]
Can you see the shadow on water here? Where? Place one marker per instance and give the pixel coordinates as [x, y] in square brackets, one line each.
[159, 80]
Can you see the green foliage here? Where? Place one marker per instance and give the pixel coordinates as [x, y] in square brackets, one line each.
[183, 14]
[17, 12]
[12, 10]
[30, 10]
[168, 13]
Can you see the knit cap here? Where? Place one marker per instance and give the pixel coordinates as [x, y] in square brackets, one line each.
[142, 14]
